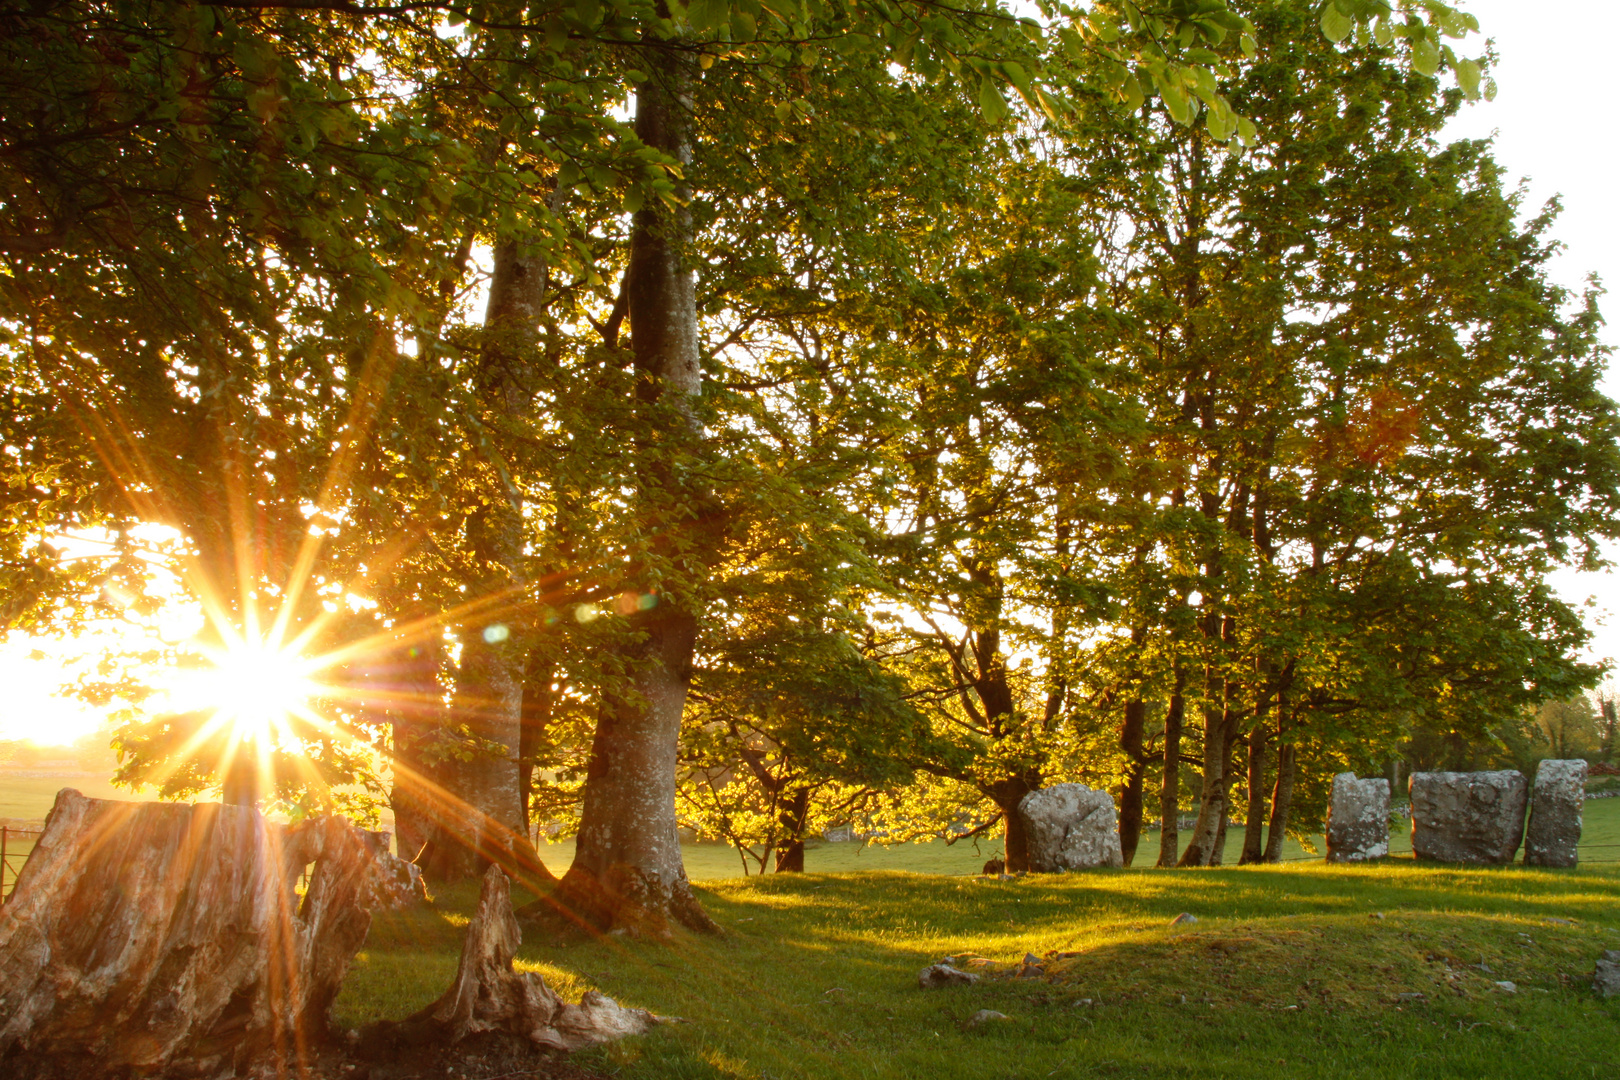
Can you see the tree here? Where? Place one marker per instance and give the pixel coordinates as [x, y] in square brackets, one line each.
[265, 321]
[1329, 323]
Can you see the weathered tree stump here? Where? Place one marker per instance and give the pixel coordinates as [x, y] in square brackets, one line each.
[489, 996]
[158, 939]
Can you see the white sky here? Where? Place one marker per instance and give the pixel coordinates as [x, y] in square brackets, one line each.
[1547, 117]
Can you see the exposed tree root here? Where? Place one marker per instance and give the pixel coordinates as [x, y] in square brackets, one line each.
[489, 996]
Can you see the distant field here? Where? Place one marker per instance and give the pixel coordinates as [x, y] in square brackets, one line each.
[30, 798]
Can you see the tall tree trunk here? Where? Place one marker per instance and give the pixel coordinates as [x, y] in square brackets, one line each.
[1282, 797]
[1212, 796]
[1170, 783]
[1217, 852]
[1220, 730]
[1007, 793]
[483, 817]
[1130, 799]
[1253, 835]
[627, 868]
[790, 856]
[417, 711]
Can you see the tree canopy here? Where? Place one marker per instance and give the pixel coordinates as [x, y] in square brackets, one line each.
[790, 416]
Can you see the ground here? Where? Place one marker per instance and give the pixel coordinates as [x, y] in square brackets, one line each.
[1305, 970]
[1299, 970]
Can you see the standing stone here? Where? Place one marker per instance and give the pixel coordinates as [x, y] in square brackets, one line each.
[1606, 979]
[1555, 814]
[1070, 827]
[1358, 819]
[1468, 817]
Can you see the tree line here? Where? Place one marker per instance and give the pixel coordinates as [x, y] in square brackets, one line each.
[764, 418]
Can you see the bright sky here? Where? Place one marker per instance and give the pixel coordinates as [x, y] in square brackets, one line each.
[1553, 81]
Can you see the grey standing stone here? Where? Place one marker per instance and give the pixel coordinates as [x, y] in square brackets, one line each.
[1468, 817]
[1606, 979]
[1554, 833]
[1358, 819]
[1070, 827]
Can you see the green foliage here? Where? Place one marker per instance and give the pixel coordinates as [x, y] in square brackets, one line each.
[1025, 395]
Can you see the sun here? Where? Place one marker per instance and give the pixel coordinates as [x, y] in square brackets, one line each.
[256, 687]
[252, 688]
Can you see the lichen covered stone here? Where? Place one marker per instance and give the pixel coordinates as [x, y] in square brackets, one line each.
[1554, 833]
[1358, 819]
[1468, 817]
[1070, 827]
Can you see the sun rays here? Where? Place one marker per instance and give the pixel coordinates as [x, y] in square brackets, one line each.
[253, 686]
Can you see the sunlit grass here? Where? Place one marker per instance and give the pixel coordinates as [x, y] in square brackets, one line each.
[1288, 972]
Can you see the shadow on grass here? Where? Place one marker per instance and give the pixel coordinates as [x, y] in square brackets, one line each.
[816, 974]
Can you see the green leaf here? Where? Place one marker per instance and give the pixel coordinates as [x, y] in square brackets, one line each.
[1468, 79]
[1426, 56]
[708, 15]
[1335, 23]
[991, 103]
[1177, 103]
[556, 35]
[1016, 75]
[588, 12]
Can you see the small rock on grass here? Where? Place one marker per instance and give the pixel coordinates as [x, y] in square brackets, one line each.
[984, 1016]
[1030, 967]
[1606, 979]
[1507, 987]
[938, 975]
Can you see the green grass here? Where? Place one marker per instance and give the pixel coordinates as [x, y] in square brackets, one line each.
[1287, 973]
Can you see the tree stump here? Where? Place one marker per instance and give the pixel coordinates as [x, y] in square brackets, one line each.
[489, 996]
[160, 939]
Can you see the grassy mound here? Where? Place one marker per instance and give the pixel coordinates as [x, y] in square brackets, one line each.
[1392, 970]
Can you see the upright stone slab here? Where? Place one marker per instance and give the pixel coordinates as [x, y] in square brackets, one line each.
[1070, 827]
[1358, 819]
[1555, 814]
[1468, 817]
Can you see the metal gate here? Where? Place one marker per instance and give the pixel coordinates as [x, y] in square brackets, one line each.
[16, 844]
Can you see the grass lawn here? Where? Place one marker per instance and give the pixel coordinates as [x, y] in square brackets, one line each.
[1290, 971]
[1296, 970]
